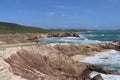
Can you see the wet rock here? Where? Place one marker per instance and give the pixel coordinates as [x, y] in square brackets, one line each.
[102, 70]
[97, 77]
[90, 68]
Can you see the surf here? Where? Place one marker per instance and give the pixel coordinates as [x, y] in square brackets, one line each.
[109, 60]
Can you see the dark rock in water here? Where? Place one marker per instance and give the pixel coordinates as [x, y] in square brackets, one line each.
[103, 70]
[97, 77]
[103, 58]
[91, 68]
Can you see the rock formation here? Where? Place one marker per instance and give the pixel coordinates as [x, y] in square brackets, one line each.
[50, 61]
[111, 45]
[58, 34]
[97, 77]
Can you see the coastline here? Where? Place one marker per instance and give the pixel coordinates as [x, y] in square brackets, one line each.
[108, 60]
[70, 49]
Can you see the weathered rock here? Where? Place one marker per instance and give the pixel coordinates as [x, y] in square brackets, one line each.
[2, 42]
[97, 77]
[112, 45]
[102, 70]
[90, 68]
[36, 36]
[60, 34]
[81, 71]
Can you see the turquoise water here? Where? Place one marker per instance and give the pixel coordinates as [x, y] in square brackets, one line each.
[101, 35]
[86, 37]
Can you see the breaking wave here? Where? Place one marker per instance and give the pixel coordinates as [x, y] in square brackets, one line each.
[68, 40]
[109, 60]
[86, 37]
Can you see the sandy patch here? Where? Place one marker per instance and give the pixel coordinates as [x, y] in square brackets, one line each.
[78, 57]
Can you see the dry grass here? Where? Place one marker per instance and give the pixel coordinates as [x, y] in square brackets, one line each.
[73, 49]
[33, 65]
[51, 62]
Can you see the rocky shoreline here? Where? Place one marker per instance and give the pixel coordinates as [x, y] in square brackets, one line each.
[59, 61]
[57, 34]
[91, 49]
[51, 51]
[29, 37]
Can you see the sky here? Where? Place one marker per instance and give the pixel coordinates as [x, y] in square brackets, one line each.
[62, 14]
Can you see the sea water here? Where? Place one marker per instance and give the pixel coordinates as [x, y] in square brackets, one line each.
[109, 59]
[102, 35]
[86, 37]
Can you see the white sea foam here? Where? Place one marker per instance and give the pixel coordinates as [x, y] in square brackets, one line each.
[82, 36]
[102, 35]
[78, 40]
[106, 77]
[92, 35]
[109, 59]
[68, 39]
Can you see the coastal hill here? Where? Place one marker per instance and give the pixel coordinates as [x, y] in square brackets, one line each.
[14, 33]
[6, 27]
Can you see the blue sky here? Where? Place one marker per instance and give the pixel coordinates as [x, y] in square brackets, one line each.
[74, 14]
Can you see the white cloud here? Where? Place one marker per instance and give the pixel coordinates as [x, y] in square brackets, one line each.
[51, 13]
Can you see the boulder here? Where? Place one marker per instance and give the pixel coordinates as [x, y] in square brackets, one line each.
[97, 77]
[90, 68]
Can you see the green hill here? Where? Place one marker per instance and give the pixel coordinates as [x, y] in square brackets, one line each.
[16, 28]
[6, 27]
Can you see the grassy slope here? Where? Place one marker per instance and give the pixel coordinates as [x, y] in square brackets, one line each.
[16, 28]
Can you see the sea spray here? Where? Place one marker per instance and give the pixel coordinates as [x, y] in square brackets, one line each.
[67, 40]
[109, 59]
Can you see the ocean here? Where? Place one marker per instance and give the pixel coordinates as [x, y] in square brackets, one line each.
[112, 60]
[109, 59]
[86, 37]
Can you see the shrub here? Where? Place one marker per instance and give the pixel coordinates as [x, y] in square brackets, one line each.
[85, 49]
[70, 54]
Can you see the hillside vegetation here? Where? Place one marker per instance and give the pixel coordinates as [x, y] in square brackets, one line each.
[6, 27]
[16, 28]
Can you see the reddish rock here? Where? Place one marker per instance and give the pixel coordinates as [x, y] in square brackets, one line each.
[60, 34]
